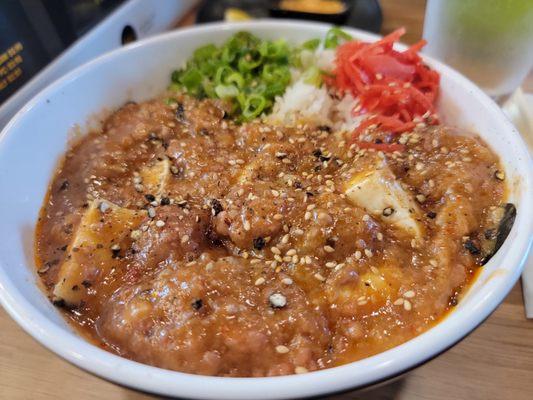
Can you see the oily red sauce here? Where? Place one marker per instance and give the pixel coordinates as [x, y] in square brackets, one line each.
[250, 260]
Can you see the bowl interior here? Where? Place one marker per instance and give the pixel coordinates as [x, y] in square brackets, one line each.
[33, 142]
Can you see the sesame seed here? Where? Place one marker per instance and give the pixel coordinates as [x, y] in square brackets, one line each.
[282, 349]
[286, 281]
[277, 300]
[310, 207]
[104, 206]
[307, 215]
[366, 217]
[277, 217]
[409, 294]
[374, 270]
[407, 305]
[275, 250]
[44, 269]
[255, 261]
[287, 258]
[275, 193]
[135, 234]
[331, 264]
[259, 281]
[278, 258]
[285, 239]
[298, 232]
[358, 255]
[328, 249]
[433, 262]
[291, 252]
[420, 198]
[209, 266]
[398, 302]
[301, 370]
[151, 212]
[419, 166]
[185, 238]
[246, 225]
[368, 253]
[380, 236]
[115, 247]
[159, 223]
[319, 277]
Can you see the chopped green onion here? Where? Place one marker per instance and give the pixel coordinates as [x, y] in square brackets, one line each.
[253, 107]
[226, 91]
[312, 76]
[311, 44]
[246, 71]
[334, 37]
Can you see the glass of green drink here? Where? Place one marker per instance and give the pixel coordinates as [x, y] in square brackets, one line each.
[490, 41]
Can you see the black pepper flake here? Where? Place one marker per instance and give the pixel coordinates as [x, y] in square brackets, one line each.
[149, 197]
[431, 214]
[59, 303]
[197, 304]
[64, 185]
[454, 299]
[310, 194]
[216, 207]
[331, 242]
[165, 201]
[64, 248]
[387, 211]
[115, 253]
[180, 112]
[490, 234]
[75, 288]
[471, 247]
[324, 128]
[259, 243]
[86, 284]
[317, 153]
[204, 132]
[378, 141]
[297, 185]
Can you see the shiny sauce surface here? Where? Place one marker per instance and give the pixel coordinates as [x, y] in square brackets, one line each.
[179, 239]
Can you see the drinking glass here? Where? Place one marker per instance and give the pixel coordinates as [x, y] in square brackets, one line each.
[490, 41]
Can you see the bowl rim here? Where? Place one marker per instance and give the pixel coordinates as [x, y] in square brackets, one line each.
[365, 372]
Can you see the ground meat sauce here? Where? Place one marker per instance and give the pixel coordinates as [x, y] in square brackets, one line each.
[179, 239]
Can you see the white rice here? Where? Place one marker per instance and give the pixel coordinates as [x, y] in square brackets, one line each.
[306, 103]
[303, 102]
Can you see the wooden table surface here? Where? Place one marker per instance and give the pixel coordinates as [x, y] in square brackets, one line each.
[495, 362]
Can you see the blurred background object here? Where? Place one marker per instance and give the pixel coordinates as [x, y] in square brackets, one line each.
[490, 41]
[41, 40]
[362, 14]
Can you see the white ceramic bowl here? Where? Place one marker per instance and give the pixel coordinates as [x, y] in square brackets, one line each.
[33, 142]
